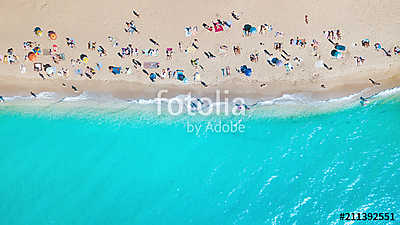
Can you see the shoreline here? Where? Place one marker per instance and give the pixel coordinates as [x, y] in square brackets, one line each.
[302, 74]
[130, 90]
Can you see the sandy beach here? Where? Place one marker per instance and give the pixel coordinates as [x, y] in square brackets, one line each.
[301, 29]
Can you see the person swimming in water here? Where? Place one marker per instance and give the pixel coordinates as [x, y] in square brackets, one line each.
[364, 101]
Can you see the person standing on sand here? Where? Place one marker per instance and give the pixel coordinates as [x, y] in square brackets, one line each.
[306, 19]
[180, 46]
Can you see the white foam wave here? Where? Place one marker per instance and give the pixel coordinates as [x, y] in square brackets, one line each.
[15, 98]
[81, 97]
[285, 99]
[389, 92]
[144, 101]
[47, 95]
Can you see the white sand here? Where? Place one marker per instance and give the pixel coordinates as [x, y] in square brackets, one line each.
[164, 21]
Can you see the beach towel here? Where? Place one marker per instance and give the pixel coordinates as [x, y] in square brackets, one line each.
[99, 66]
[78, 72]
[190, 49]
[50, 70]
[116, 70]
[150, 52]
[46, 51]
[197, 76]
[151, 65]
[228, 23]
[288, 67]
[218, 27]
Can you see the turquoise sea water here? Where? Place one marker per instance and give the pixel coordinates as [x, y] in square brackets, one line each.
[79, 166]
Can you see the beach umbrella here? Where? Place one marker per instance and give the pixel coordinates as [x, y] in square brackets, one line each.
[336, 54]
[340, 47]
[180, 76]
[31, 56]
[247, 27]
[247, 72]
[38, 31]
[37, 50]
[84, 58]
[78, 72]
[276, 61]
[52, 35]
[243, 68]
[253, 30]
[366, 40]
[396, 50]
[153, 76]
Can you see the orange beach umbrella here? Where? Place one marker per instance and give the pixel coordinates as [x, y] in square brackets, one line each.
[31, 56]
[52, 35]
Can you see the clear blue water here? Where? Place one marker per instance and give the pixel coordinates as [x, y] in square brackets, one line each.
[82, 167]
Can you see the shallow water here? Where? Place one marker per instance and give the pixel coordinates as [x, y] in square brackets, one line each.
[65, 165]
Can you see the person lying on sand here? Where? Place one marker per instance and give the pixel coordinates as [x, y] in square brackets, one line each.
[135, 13]
[41, 75]
[154, 42]
[236, 16]
[374, 82]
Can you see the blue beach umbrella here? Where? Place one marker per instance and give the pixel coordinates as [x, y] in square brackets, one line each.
[336, 54]
[340, 47]
[247, 72]
[276, 61]
[153, 76]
